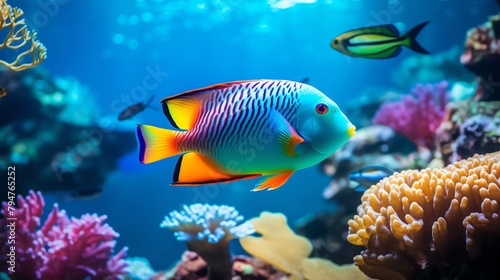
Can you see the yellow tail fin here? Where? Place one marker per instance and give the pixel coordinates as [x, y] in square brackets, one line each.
[155, 143]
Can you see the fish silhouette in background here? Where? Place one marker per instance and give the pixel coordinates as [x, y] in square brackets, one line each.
[135, 109]
[3, 92]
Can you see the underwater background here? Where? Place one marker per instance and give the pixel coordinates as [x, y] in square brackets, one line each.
[104, 51]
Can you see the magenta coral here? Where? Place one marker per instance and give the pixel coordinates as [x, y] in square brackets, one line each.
[62, 248]
[416, 117]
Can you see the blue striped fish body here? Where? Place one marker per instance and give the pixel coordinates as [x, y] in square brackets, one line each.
[246, 129]
[239, 127]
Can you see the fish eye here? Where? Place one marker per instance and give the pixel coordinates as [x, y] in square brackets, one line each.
[321, 108]
[335, 42]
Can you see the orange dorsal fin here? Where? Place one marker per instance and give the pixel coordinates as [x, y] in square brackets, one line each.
[273, 182]
[182, 110]
[194, 169]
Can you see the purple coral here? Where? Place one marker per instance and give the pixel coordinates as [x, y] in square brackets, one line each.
[207, 230]
[416, 117]
[61, 248]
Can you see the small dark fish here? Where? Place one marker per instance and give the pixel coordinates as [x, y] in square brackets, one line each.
[377, 42]
[305, 80]
[85, 194]
[3, 92]
[134, 109]
[368, 176]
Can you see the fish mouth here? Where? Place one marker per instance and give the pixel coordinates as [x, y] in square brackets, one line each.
[351, 131]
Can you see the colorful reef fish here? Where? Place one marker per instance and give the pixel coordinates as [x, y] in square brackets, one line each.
[369, 175]
[246, 129]
[135, 109]
[377, 42]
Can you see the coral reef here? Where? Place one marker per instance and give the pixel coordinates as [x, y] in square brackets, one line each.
[469, 127]
[482, 57]
[288, 252]
[61, 248]
[57, 149]
[139, 269]
[361, 109]
[327, 232]
[432, 224]
[193, 267]
[18, 35]
[207, 230]
[418, 117]
[372, 145]
[431, 69]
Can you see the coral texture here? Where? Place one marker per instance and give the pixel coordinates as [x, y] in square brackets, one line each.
[288, 252]
[60, 151]
[482, 57]
[61, 248]
[193, 267]
[469, 128]
[18, 35]
[207, 230]
[418, 117]
[432, 224]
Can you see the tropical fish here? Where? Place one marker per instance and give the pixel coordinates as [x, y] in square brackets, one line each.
[305, 80]
[246, 129]
[135, 109]
[3, 92]
[377, 42]
[369, 175]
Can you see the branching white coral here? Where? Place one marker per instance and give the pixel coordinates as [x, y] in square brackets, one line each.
[200, 221]
[17, 37]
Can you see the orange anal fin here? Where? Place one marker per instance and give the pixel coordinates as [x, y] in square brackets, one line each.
[273, 182]
[194, 169]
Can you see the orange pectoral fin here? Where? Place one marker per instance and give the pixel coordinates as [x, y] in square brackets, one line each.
[288, 138]
[273, 182]
[194, 169]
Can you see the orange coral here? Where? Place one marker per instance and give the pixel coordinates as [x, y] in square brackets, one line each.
[432, 223]
[17, 37]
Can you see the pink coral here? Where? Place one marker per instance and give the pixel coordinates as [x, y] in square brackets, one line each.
[62, 248]
[416, 117]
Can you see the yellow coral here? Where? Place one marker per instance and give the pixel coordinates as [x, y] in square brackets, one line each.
[17, 37]
[288, 252]
[416, 221]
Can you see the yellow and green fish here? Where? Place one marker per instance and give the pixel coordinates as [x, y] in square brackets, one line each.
[246, 129]
[377, 42]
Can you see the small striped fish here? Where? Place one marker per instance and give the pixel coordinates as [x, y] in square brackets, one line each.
[377, 42]
[246, 129]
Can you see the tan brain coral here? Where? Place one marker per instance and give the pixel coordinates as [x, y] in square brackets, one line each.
[432, 223]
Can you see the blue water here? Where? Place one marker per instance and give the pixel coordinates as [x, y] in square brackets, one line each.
[110, 45]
